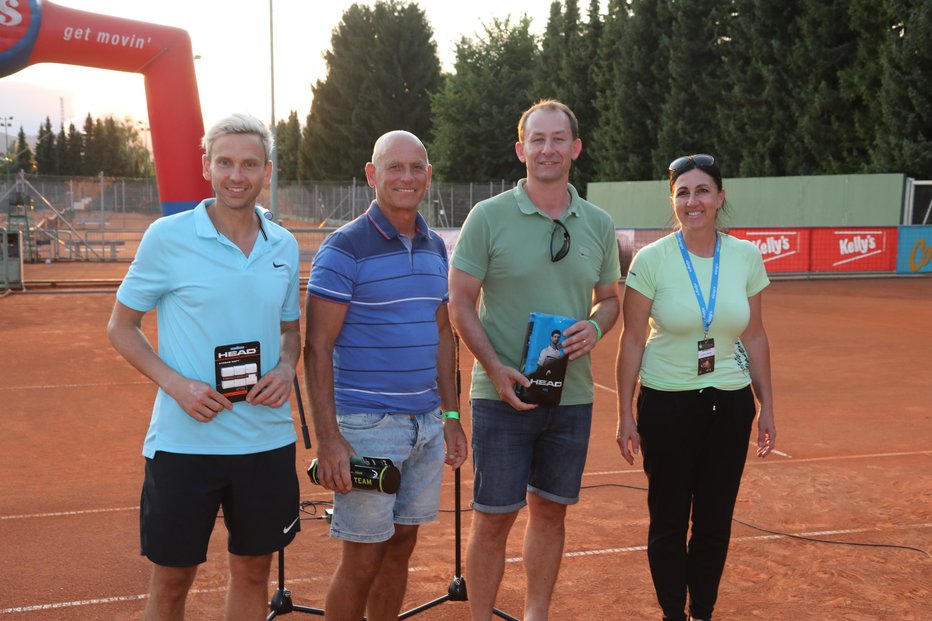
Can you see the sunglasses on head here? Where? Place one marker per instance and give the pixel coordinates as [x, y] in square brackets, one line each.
[700, 159]
[565, 248]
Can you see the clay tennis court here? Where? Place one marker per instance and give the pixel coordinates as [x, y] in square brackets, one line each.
[853, 391]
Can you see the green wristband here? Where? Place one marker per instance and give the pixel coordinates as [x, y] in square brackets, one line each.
[598, 330]
[451, 414]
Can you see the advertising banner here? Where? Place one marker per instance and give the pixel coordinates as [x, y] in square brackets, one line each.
[914, 252]
[854, 249]
[784, 250]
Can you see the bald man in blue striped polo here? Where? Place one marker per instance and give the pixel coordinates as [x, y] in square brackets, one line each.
[380, 372]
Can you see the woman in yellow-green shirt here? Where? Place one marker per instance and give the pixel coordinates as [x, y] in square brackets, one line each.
[694, 337]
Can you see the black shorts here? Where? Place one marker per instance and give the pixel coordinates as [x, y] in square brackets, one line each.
[182, 494]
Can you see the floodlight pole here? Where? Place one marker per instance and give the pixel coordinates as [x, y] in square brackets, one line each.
[6, 122]
[273, 192]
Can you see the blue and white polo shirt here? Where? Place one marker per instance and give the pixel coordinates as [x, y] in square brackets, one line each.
[385, 357]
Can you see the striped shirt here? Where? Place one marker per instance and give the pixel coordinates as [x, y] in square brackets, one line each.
[385, 357]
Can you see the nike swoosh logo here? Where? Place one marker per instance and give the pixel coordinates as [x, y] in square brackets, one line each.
[290, 526]
[274, 264]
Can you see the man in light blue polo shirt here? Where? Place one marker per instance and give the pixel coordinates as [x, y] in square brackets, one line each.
[225, 283]
[380, 371]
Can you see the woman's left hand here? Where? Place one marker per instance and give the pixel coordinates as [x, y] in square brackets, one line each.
[766, 433]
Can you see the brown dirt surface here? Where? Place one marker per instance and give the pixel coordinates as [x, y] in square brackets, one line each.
[852, 386]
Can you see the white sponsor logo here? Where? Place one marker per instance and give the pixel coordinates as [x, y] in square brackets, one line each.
[238, 352]
[9, 16]
[857, 245]
[288, 528]
[775, 245]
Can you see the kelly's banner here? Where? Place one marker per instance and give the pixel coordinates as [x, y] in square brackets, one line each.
[914, 252]
[854, 249]
[784, 250]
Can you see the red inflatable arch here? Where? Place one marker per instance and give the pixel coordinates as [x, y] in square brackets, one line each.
[33, 31]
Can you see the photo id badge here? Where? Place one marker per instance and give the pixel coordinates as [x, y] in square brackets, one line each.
[706, 356]
[237, 369]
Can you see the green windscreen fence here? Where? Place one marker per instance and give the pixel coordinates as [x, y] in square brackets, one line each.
[829, 200]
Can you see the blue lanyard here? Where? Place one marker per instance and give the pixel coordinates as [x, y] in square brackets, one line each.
[707, 313]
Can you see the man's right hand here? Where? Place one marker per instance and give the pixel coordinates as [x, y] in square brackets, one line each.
[504, 378]
[199, 400]
[333, 456]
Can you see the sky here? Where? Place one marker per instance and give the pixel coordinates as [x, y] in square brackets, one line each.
[233, 71]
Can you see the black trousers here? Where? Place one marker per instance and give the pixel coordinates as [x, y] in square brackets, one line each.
[694, 445]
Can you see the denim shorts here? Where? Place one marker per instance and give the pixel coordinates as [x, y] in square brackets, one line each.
[414, 442]
[542, 451]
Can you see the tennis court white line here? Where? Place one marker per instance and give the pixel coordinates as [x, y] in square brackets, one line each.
[95, 602]
[585, 474]
[598, 385]
[61, 513]
[92, 385]
[756, 463]
[142, 596]
[516, 559]
[819, 533]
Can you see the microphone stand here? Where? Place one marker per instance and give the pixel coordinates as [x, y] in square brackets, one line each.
[281, 603]
[457, 589]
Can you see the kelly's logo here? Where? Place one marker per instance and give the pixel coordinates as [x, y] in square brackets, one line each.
[859, 244]
[774, 244]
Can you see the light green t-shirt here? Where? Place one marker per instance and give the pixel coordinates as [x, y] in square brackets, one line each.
[505, 243]
[671, 356]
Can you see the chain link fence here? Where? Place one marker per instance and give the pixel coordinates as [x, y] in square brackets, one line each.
[329, 202]
[102, 218]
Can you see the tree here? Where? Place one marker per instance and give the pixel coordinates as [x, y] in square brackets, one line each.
[904, 138]
[90, 159]
[114, 148]
[23, 158]
[74, 152]
[757, 130]
[287, 142]
[476, 114]
[579, 84]
[630, 87]
[825, 45]
[547, 69]
[689, 113]
[381, 70]
[565, 72]
[61, 152]
[45, 148]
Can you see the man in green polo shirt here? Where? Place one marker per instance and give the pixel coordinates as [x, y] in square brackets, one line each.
[536, 248]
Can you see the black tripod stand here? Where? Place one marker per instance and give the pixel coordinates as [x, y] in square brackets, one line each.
[457, 590]
[282, 604]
